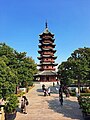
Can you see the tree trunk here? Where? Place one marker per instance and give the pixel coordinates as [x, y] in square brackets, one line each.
[79, 86]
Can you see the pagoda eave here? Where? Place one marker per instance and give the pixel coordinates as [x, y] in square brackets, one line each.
[54, 57]
[47, 44]
[49, 72]
[47, 50]
[54, 64]
[48, 33]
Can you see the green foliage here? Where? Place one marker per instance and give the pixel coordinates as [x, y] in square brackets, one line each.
[81, 63]
[15, 70]
[77, 67]
[8, 79]
[11, 104]
[72, 93]
[20, 94]
[84, 102]
[84, 94]
[26, 70]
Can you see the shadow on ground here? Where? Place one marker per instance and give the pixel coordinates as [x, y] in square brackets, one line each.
[39, 90]
[69, 109]
[18, 109]
[87, 118]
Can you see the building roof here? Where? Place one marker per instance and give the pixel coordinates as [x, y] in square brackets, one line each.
[46, 31]
[46, 73]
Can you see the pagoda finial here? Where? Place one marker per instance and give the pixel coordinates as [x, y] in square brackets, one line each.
[46, 24]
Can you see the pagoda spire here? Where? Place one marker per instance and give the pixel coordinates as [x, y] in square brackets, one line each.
[46, 24]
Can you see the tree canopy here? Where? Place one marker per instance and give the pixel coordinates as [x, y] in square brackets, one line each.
[15, 70]
[76, 68]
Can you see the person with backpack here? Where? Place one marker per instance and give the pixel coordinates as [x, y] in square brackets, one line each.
[24, 102]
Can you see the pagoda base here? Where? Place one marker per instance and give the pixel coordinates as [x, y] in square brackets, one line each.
[46, 76]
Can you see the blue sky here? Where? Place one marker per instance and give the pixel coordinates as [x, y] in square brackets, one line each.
[21, 22]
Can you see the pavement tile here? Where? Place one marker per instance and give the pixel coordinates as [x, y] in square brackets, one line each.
[49, 108]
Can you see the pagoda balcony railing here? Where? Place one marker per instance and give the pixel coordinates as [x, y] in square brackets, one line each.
[47, 40]
[46, 43]
[52, 61]
[46, 47]
[46, 50]
[48, 56]
[47, 53]
[47, 37]
[47, 63]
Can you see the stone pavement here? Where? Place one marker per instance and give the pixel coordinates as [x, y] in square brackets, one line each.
[49, 108]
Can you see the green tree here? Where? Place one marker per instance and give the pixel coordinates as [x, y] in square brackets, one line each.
[8, 79]
[15, 69]
[26, 69]
[65, 72]
[77, 67]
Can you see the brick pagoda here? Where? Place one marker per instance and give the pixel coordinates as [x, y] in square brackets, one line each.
[47, 71]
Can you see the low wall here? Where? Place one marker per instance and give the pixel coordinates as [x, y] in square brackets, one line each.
[47, 84]
[23, 89]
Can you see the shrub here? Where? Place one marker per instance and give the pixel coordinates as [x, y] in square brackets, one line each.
[84, 94]
[72, 93]
[84, 102]
[11, 104]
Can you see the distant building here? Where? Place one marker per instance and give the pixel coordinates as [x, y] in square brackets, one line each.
[47, 71]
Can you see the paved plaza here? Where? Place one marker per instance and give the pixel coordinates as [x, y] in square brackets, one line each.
[49, 108]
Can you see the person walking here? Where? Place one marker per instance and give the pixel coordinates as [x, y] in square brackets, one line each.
[49, 92]
[61, 95]
[45, 91]
[24, 102]
[43, 87]
[61, 98]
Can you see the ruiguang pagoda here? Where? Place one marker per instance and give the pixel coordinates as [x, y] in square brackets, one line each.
[47, 71]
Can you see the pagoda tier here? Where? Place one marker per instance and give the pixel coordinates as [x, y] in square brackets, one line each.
[46, 50]
[47, 63]
[46, 34]
[46, 40]
[47, 45]
[46, 76]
